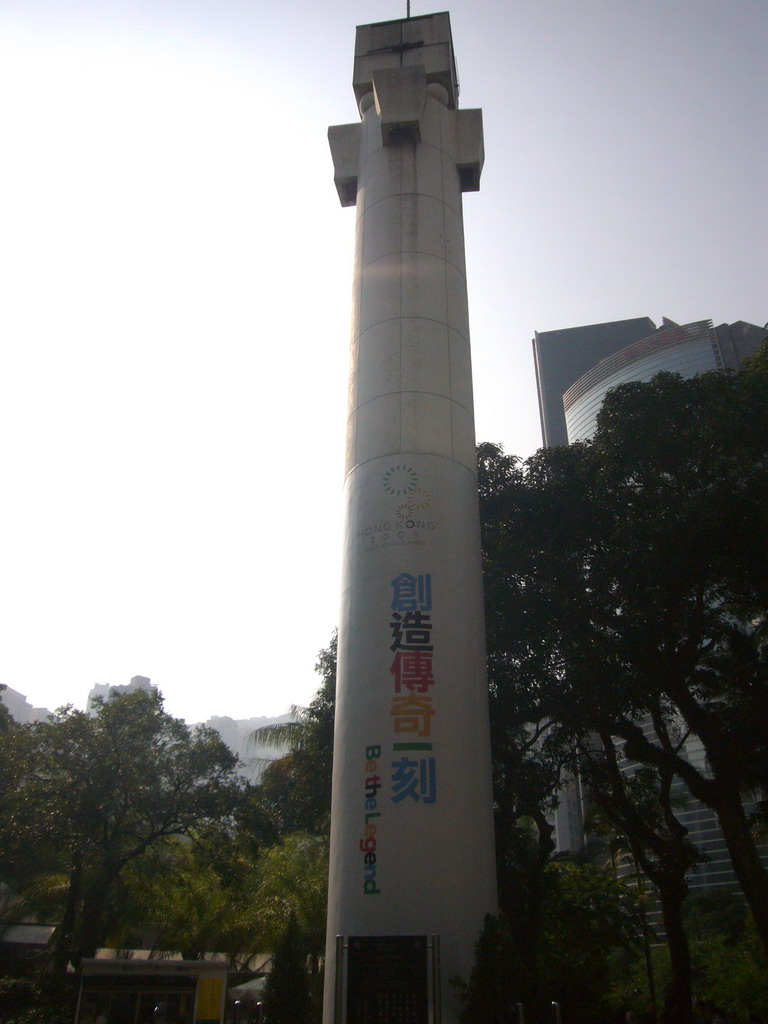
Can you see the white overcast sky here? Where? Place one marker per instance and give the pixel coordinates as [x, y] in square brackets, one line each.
[175, 277]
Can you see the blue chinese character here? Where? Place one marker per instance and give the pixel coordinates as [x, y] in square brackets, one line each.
[414, 779]
[412, 592]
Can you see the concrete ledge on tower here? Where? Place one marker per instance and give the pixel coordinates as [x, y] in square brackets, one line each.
[344, 140]
[400, 95]
[420, 41]
[470, 151]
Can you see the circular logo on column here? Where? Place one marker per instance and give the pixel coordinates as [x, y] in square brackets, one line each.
[407, 523]
[403, 482]
[400, 480]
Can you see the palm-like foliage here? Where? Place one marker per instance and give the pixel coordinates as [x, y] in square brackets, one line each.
[296, 789]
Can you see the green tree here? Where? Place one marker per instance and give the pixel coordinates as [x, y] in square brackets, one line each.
[683, 466]
[96, 792]
[33, 872]
[633, 587]
[295, 790]
[730, 967]
[6, 721]
[293, 881]
[198, 902]
[627, 597]
[287, 998]
[535, 739]
[732, 975]
[640, 805]
[488, 998]
[222, 895]
[717, 912]
[588, 917]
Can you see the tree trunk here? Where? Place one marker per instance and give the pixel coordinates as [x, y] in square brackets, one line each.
[677, 1001]
[95, 922]
[749, 869]
[723, 795]
[64, 937]
[91, 928]
[520, 878]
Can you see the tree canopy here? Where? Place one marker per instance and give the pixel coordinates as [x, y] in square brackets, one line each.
[91, 793]
[627, 605]
[295, 790]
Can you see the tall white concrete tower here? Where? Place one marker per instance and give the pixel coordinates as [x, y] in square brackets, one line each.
[412, 855]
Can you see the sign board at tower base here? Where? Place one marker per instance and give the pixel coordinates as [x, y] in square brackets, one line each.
[387, 979]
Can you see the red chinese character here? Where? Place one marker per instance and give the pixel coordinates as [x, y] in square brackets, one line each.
[413, 671]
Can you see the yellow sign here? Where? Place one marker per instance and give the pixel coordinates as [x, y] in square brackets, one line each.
[209, 1000]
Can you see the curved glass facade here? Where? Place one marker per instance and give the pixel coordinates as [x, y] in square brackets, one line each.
[687, 350]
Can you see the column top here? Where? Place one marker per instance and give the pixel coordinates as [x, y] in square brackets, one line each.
[408, 42]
